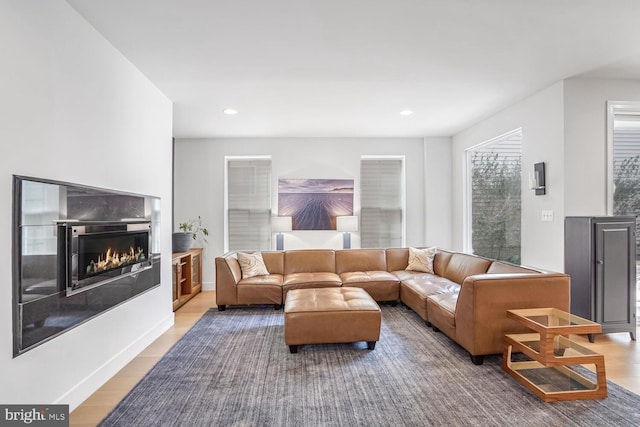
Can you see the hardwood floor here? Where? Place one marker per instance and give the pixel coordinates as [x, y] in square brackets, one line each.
[622, 360]
[100, 403]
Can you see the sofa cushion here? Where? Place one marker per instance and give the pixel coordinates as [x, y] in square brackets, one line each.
[415, 290]
[267, 279]
[381, 285]
[310, 280]
[442, 310]
[367, 277]
[261, 290]
[403, 275]
[309, 261]
[446, 301]
[252, 264]
[441, 261]
[460, 266]
[430, 284]
[421, 259]
[361, 260]
[397, 259]
[274, 261]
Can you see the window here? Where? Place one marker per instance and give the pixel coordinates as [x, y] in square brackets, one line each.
[624, 160]
[493, 192]
[248, 203]
[382, 202]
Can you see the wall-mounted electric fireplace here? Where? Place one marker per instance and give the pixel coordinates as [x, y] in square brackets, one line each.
[99, 253]
[77, 252]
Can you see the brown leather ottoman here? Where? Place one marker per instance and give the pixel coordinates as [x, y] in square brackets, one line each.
[330, 315]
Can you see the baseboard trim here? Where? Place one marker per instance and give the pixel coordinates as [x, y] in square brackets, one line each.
[208, 286]
[85, 388]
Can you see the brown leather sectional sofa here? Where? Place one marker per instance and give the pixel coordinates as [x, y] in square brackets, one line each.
[467, 297]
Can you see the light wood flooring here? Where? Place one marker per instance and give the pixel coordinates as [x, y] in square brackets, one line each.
[622, 361]
[100, 403]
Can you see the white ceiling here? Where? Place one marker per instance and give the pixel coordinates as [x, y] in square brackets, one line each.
[348, 67]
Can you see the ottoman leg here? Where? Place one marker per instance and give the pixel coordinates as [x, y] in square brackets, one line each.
[371, 345]
[293, 348]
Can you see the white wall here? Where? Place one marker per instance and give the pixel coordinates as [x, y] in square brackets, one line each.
[438, 194]
[586, 140]
[199, 182]
[74, 109]
[541, 118]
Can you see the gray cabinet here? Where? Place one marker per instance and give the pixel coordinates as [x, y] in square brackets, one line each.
[600, 257]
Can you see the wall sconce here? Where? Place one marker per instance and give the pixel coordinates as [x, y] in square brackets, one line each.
[278, 225]
[537, 182]
[346, 224]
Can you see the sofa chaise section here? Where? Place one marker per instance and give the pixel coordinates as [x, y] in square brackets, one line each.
[450, 270]
[475, 317]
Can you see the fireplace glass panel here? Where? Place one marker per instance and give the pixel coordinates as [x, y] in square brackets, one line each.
[98, 254]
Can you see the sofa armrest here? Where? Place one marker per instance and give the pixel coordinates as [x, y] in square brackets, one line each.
[481, 311]
[228, 274]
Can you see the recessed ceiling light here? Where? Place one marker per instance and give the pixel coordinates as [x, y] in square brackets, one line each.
[230, 111]
[406, 112]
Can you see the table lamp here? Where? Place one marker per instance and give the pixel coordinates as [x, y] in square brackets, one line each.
[346, 224]
[278, 225]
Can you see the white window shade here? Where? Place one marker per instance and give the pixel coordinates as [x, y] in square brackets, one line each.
[381, 199]
[626, 140]
[249, 204]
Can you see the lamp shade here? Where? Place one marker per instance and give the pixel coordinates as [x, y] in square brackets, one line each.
[347, 223]
[280, 223]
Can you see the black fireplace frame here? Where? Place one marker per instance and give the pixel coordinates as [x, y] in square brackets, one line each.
[46, 302]
[73, 232]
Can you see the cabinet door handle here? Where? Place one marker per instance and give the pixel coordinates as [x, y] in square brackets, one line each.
[599, 262]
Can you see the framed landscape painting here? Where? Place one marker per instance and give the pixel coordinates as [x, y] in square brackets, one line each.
[314, 204]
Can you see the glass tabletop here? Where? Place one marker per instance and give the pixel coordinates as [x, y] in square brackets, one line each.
[562, 346]
[551, 379]
[552, 319]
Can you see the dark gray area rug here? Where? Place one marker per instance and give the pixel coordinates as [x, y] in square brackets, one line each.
[233, 368]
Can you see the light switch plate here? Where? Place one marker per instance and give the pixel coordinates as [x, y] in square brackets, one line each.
[547, 215]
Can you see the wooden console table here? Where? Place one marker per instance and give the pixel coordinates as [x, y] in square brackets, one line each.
[548, 373]
[186, 275]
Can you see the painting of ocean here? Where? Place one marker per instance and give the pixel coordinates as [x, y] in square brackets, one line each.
[314, 204]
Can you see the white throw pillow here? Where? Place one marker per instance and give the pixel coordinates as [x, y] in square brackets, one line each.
[422, 259]
[252, 264]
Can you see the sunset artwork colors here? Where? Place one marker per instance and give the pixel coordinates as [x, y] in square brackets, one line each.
[314, 204]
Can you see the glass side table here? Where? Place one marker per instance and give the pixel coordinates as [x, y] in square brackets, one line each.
[549, 373]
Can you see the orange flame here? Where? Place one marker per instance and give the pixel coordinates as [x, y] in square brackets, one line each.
[114, 259]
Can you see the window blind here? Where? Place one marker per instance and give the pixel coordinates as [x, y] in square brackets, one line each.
[626, 141]
[381, 213]
[249, 204]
